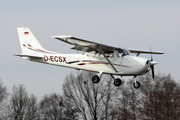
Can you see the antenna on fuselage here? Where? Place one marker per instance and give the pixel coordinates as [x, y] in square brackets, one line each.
[107, 41]
[97, 40]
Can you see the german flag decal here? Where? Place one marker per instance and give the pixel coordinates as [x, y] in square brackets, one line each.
[26, 33]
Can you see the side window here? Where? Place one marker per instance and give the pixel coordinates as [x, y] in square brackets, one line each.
[91, 54]
[123, 52]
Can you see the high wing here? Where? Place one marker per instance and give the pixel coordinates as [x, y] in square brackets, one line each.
[85, 45]
[88, 46]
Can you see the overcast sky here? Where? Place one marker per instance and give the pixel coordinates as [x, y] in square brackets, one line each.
[124, 23]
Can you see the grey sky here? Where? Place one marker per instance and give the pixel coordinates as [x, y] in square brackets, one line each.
[124, 23]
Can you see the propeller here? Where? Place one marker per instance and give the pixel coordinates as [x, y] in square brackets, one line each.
[152, 67]
[152, 64]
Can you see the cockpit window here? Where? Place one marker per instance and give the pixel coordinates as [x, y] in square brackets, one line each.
[124, 52]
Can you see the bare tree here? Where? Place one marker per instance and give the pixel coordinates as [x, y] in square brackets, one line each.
[160, 98]
[110, 98]
[53, 107]
[123, 101]
[91, 101]
[21, 106]
[3, 101]
[3, 92]
[134, 103]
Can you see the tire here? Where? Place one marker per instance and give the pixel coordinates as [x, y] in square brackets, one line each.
[117, 82]
[95, 79]
[137, 85]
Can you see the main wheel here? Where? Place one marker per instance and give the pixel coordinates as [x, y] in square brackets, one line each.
[117, 82]
[136, 84]
[95, 79]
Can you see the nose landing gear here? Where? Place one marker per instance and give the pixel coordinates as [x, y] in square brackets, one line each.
[96, 79]
[136, 84]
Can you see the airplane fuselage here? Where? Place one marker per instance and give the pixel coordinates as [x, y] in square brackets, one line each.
[126, 65]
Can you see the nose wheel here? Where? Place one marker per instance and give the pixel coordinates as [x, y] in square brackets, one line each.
[136, 84]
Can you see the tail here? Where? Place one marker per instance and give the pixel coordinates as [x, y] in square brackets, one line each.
[29, 44]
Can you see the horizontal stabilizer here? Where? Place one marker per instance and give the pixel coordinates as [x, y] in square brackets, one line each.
[30, 56]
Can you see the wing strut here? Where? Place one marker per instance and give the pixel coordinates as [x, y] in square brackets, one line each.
[107, 58]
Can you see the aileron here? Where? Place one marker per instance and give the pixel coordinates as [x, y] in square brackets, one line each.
[145, 51]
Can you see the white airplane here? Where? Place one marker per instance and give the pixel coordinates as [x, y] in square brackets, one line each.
[100, 58]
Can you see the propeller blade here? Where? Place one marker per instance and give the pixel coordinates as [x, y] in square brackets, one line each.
[152, 64]
[151, 58]
[152, 69]
[151, 54]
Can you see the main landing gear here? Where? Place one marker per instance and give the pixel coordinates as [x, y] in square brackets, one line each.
[117, 81]
[96, 79]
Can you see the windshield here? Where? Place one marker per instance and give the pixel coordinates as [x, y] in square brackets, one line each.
[124, 52]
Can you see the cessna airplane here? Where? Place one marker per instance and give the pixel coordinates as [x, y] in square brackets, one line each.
[100, 58]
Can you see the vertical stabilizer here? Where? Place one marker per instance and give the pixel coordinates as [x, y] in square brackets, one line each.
[29, 44]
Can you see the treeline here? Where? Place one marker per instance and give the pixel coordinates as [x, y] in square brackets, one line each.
[83, 100]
